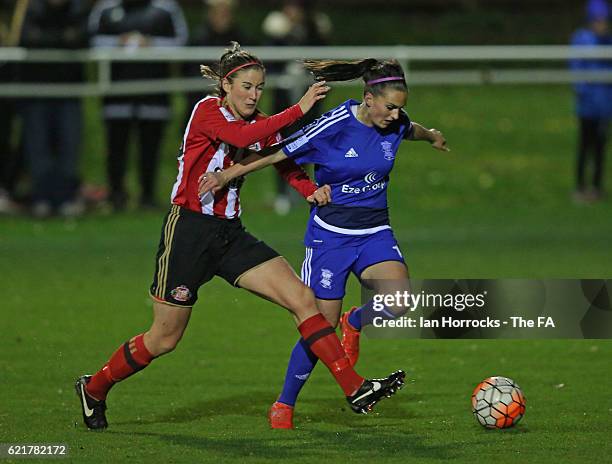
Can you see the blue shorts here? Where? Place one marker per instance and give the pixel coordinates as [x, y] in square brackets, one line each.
[326, 268]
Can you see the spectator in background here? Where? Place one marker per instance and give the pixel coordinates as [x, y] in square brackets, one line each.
[52, 126]
[593, 104]
[296, 24]
[7, 117]
[218, 28]
[134, 24]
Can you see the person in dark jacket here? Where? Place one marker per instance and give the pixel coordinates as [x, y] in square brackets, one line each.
[296, 23]
[52, 126]
[218, 28]
[8, 118]
[134, 24]
[593, 104]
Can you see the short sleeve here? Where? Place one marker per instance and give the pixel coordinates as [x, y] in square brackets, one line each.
[407, 126]
[314, 142]
[303, 151]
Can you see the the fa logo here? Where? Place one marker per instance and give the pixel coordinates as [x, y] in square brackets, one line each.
[326, 278]
[387, 150]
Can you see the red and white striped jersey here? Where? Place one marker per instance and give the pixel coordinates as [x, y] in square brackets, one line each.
[214, 139]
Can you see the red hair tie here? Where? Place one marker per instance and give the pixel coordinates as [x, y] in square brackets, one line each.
[250, 63]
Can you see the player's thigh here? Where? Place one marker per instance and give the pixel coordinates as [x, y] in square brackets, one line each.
[330, 309]
[386, 270]
[386, 277]
[276, 281]
[380, 265]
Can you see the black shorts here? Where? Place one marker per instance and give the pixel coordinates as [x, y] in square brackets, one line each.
[195, 247]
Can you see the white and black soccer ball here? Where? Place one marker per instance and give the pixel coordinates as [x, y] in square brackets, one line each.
[498, 403]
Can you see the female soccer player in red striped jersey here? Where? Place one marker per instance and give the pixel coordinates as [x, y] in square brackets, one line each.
[202, 236]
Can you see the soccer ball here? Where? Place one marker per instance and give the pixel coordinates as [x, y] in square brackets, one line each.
[498, 403]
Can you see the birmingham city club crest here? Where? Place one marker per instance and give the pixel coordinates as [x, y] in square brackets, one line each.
[326, 278]
[387, 148]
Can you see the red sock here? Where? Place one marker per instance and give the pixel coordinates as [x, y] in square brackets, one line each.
[130, 358]
[324, 343]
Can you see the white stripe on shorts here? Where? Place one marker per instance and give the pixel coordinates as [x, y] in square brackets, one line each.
[306, 267]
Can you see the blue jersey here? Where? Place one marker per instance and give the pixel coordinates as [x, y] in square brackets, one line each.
[355, 160]
[593, 99]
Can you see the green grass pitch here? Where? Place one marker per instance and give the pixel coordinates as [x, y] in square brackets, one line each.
[497, 205]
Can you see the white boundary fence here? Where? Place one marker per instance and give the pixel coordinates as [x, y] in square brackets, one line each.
[486, 59]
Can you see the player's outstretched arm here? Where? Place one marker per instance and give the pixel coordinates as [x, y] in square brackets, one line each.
[215, 181]
[241, 133]
[433, 136]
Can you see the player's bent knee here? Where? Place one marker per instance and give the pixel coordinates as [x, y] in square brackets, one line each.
[161, 344]
[302, 301]
[307, 298]
[167, 344]
[398, 312]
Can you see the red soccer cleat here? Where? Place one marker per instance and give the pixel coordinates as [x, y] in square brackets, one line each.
[350, 337]
[280, 416]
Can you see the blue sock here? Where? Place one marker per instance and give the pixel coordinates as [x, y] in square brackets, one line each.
[355, 318]
[364, 315]
[301, 364]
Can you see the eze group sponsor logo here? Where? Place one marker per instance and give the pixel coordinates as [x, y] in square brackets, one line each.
[346, 188]
[370, 177]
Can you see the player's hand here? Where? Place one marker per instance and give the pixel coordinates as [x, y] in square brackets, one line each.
[437, 140]
[320, 196]
[211, 182]
[317, 91]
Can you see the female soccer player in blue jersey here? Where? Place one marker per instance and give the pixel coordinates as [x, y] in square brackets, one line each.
[353, 148]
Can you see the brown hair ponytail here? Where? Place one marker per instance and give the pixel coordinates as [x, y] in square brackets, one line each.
[233, 60]
[369, 70]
